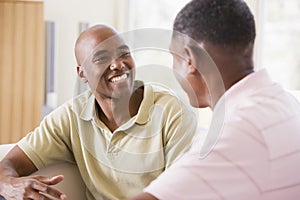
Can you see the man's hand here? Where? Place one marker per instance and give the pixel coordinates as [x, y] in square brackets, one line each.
[33, 187]
[16, 184]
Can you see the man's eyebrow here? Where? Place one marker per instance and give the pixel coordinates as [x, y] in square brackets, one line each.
[123, 47]
[98, 53]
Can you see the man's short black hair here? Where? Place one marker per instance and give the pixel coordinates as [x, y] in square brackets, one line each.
[221, 22]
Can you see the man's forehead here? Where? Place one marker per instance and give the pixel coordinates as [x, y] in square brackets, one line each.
[112, 43]
[96, 44]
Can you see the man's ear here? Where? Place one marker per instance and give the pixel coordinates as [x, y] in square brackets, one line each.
[81, 74]
[192, 62]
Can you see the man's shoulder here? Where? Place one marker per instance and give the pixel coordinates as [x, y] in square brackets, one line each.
[265, 108]
[75, 104]
[165, 97]
[161, 91]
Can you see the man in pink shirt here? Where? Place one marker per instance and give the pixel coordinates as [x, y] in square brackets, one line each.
[252, 150]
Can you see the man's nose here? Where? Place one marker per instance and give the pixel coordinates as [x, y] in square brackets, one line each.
[117, 65]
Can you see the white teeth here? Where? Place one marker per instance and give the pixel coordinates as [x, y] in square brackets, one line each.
[118, 78]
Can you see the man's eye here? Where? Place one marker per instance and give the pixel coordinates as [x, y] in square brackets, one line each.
[102, 59]
[125, 53]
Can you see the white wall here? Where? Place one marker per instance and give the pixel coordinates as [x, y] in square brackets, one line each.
[67, 14]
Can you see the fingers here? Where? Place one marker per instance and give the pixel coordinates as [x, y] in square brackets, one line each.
[40, 196]
[46, 189]
[49, 180]
[43, 185]
[36, 187]
[56, 179]
[36, 195]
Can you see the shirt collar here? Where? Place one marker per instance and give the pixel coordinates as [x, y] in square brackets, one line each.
[142, 117]
[88, 110]
[249, 84]
[245, 87]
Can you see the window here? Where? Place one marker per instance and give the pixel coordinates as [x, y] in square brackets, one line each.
[156, 18]
[158, 15]
[281, 41]
[154, 13]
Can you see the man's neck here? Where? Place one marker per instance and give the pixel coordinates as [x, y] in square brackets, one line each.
[115, 112]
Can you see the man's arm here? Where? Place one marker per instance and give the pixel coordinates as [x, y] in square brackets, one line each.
[15, 185]
[143, 196]
[180, 131]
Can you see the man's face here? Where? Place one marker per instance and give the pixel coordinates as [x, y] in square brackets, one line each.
[109, 68]
[179, 65]
[192, 83]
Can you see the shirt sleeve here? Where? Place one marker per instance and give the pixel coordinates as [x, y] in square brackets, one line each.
[50, 142]
[180, 130]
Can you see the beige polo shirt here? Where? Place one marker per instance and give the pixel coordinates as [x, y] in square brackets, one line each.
[119, 164]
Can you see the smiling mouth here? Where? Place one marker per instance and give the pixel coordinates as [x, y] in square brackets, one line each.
[118, 78]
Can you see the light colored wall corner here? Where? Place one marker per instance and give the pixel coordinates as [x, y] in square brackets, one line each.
[67, 15]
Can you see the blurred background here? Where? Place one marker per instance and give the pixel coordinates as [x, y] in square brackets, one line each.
[38, 67]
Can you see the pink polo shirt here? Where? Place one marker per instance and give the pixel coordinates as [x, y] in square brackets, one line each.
[256, 155]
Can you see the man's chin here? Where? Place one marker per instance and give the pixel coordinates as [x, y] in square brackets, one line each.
[121, 90]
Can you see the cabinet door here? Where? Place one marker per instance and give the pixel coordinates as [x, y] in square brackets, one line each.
[22, 67]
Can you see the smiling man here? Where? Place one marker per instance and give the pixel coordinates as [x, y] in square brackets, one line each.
[121, 133]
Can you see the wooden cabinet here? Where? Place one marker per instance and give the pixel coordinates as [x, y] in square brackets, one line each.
[22, 67]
